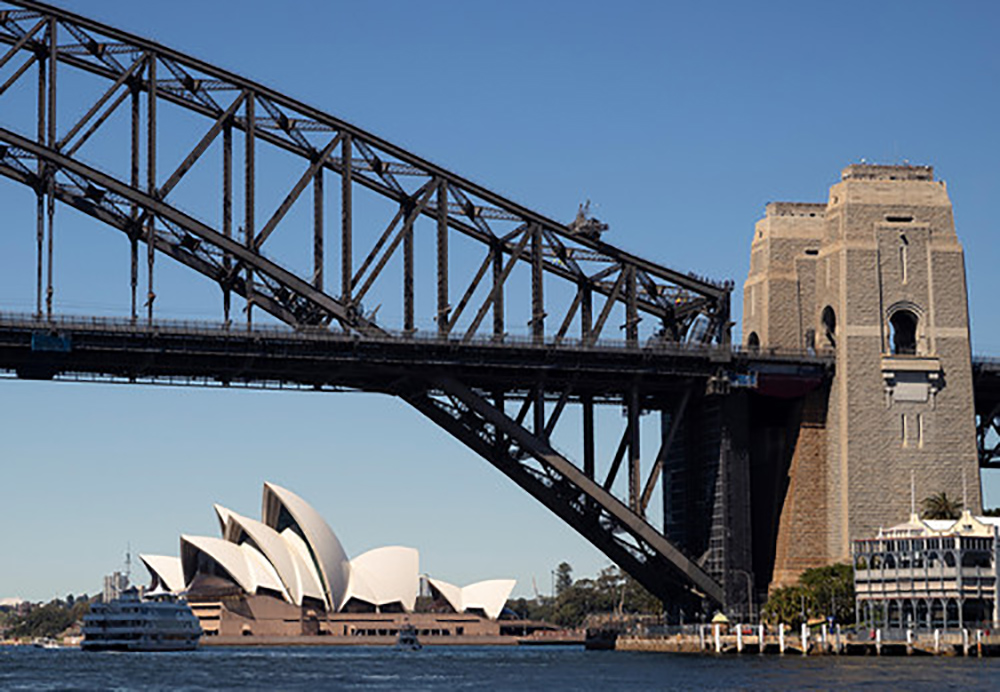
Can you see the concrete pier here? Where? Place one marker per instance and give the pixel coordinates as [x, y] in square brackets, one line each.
[752, 639]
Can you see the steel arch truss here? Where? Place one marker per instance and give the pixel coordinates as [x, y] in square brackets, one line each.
[598, 284]
[144, 74]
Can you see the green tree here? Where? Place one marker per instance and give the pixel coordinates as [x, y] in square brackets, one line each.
[994, 512]
[787, 605]
[821, 592]
[940, 506]
[564, 577]
[46, 621]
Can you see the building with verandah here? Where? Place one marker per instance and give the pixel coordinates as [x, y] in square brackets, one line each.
[929, 574]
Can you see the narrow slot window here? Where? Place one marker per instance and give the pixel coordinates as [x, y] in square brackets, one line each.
[904, 270]
[902, 430]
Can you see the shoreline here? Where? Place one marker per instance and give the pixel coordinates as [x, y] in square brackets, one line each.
[386, 641]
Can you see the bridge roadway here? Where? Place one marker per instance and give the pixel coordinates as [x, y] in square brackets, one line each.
[208, 354]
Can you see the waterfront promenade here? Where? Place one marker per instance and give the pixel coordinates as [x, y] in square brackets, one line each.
[755, 639]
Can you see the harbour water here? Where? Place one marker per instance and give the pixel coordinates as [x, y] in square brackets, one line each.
[474, 668]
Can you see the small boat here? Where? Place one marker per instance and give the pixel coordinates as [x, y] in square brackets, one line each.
[160, 622]
[407, 639]
[47, 643]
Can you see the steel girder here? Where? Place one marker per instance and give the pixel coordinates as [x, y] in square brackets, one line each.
[141, 205]
[530, 461]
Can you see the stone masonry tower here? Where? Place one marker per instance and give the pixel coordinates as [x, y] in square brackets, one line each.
[877, 275]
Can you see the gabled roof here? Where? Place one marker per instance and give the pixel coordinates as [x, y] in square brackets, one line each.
[966, 524]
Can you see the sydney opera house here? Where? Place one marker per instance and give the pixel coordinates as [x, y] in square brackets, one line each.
[288, 575]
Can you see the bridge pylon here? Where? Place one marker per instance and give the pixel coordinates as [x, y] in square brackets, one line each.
[876, 275]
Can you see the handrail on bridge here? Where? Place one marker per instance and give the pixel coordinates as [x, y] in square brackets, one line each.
[208, 328]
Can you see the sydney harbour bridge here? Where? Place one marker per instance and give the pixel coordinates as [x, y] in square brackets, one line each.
[538, 324]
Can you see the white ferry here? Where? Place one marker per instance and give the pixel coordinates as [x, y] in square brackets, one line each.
[131, 623]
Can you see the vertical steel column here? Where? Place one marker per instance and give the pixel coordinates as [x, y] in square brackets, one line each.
[150, 181]
[346, 246]
[499, 401]
[498, 311]
[227, 214]
[134, 230]
[318, 229]
[538, 410]
[42, 186]
[408, 325]
[51, 178]
[631, 308]
[249, 176]
[588, 435]
[586, 313]
[442, 257]
[537, 296]
[634, 470]
[668, 430]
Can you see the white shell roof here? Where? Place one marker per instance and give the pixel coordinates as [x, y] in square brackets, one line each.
[288, 561]
[166, 570]
[223, 514]
[385, 575]
[305, 559]
[490, 596]
[244, 564]
[330, 559]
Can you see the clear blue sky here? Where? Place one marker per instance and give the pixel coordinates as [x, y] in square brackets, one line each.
[679, 120]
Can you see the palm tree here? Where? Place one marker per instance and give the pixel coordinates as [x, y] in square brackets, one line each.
[940, 506]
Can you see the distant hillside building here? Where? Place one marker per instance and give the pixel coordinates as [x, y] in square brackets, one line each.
[877, 276]
[114, 584]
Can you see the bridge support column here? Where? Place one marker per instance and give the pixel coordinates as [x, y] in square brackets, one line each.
[706, 488]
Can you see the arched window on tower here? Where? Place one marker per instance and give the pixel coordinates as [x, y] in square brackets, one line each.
[903, 325]
[829, 320]
[753, 341]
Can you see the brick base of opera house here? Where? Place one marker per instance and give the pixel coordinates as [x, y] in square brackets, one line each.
[248, 620]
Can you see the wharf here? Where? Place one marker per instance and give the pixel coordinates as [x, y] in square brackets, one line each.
[754, 640]
[572, 639]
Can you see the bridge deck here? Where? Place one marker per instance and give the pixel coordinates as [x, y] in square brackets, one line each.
[273, 357]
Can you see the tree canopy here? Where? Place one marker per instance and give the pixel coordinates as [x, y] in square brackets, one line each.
[940, 506]
[47, 620]
[612, 591]
[821, 592]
